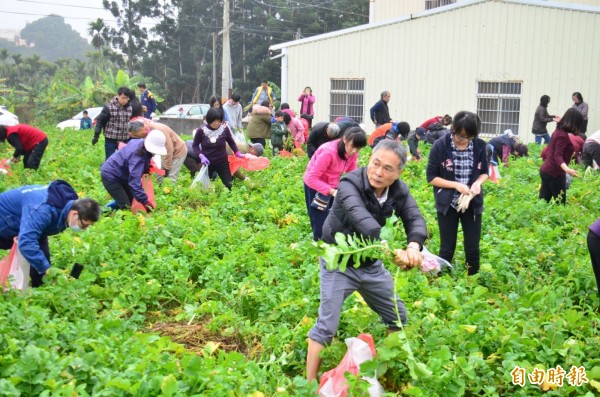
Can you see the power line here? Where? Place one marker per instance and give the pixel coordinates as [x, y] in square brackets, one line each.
[59, 4]
[62, 16]
[308, 5]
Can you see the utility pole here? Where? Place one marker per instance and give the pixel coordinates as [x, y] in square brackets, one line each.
[214, 64]
[226, 85]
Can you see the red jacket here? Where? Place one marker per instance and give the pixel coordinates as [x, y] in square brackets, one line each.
[28, 135]
[432, 120]
[380, 131]
[560, 150]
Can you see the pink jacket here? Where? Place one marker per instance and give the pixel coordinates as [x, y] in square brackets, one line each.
[297, 130]
[325, 168]
[290, 112]
[307, 105]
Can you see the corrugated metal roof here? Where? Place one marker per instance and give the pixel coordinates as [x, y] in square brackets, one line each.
[434, 11]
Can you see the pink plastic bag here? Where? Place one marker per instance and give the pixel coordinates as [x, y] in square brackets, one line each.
[360, 349]
[15, 267]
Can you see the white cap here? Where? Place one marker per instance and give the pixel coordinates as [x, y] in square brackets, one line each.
[155, 142]
[508, 132]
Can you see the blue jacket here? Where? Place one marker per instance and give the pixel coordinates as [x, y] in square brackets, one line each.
[441, 164]
[33, 212]
[127, 167]
[147, 99]
[85, 124]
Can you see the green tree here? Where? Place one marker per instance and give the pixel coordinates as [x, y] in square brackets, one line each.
[95, 30]
[130, 35]
[54, 39]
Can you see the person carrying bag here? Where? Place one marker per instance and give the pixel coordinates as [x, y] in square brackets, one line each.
[323, 173]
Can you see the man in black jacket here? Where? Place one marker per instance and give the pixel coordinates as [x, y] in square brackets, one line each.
[380, 112]
[365, 198]
[321, 133]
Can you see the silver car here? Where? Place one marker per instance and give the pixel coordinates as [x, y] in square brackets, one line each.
[186, 111]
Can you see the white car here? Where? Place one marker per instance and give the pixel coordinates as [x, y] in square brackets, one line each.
[7, 118]
[75, 121]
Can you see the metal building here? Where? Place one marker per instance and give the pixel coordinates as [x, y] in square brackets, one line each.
[495, 57]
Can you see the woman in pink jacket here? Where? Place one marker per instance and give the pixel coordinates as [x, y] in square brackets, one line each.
[296, 129]
[307, 103]
[323, 173]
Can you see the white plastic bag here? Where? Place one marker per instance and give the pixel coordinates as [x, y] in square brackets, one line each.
[239, 137]
[14, 270]
[157, 160]
[202, 177]
[433, 263]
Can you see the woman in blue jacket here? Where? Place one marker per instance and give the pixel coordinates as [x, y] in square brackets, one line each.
[34, 212]
[122, 172]
[458, 166]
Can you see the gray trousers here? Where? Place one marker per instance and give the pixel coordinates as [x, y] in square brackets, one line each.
[374, 283]
[176, 165]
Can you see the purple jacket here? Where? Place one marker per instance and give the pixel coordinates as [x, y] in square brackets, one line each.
[127, 166]
[213, 143]
[595, 227]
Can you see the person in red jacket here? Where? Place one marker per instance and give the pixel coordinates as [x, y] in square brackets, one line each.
[27, 141]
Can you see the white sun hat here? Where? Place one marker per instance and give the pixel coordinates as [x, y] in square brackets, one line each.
[155, 142]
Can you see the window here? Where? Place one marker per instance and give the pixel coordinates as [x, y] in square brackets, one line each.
[429, 4]
[347, 99]
[498, 106]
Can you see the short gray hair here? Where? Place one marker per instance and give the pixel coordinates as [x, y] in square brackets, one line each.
[333, 130]
[384, 94]
[393, 146]
[135, 126]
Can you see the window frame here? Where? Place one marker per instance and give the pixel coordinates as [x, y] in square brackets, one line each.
[431, 4]
[349, 90]
[505, 115]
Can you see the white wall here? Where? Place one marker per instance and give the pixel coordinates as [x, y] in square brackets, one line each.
[432, 64]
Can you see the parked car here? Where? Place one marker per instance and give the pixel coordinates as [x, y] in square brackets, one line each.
[75, 121]
[190, 111]
[7, 118]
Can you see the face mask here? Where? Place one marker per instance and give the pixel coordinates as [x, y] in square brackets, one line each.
[76, 227]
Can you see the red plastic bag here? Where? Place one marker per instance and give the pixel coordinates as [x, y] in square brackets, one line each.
[136, 206]
[15, 265]
[360, 349]
[494, 173]
[5, 167]
[248, 163]
[257, 164]
[235, 163]
[285, 153]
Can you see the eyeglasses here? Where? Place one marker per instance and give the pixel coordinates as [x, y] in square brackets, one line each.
[84, 224]
[463, 138]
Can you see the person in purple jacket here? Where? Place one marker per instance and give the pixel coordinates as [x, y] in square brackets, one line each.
[210, 145]
[122, 172]
[593, 243]
[560, 151]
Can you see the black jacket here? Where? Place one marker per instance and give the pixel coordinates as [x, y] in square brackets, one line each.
[441, 164]
[356, 211]
[317, 137]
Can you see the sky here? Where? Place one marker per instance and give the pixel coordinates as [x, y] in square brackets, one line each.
[15, 14]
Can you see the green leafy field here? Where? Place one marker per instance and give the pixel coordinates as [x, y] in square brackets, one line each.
[214, 292]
